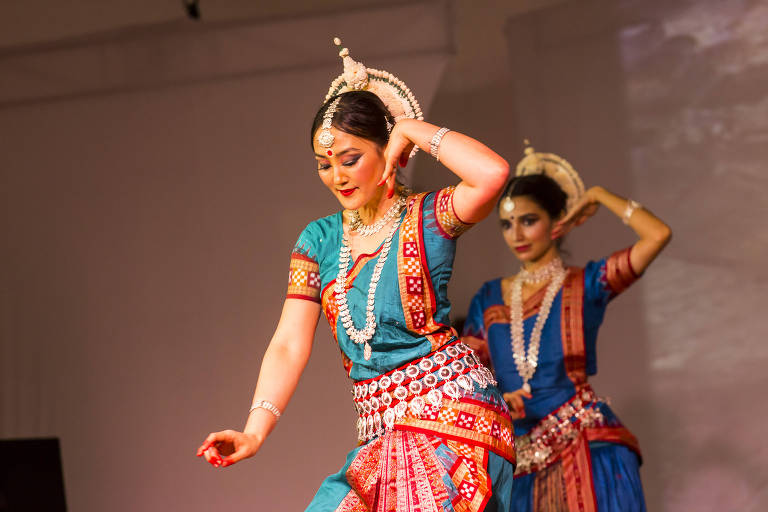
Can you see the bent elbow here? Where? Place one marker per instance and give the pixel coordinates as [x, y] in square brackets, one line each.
[664, 235]
[500, 174]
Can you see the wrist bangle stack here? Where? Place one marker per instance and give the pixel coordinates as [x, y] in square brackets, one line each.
[632, 205]
[434, 144]
[264, 404]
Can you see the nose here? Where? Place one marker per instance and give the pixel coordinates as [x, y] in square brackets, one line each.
[518, 231]
[338, 175]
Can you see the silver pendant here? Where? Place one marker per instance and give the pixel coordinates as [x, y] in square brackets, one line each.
[478, 377]
[417, 406]
[435, 397]
[389, 419]
[367, 352]
[452, 390]
[465, 382]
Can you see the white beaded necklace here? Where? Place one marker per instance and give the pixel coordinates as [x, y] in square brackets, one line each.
[364, 335]
[526, 364]
[356, 224]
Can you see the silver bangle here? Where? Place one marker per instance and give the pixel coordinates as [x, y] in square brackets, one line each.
[632, 205]
[434, 144]
[265, 404]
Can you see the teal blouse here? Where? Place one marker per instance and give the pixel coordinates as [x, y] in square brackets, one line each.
[411, 301]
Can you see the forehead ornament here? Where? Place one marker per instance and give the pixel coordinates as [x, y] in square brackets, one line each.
[325, 138]
[507, 205]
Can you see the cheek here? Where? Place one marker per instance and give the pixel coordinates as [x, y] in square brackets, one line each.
[369, 170]
[509, 236]
[326, 178]
[537, 232]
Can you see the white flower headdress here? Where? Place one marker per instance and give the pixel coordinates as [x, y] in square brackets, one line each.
[392, 91]
[557, 168]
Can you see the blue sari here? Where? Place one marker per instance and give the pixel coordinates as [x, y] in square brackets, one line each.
[573, 452]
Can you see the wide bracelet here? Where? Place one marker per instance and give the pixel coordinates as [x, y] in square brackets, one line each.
[632, 205]
[264, 404]
[434, 144]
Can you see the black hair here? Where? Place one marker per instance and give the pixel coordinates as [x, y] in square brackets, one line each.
[542, 189]
[359, 113]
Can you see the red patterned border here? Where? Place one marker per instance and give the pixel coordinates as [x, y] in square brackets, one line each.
[468, 421]
[619, 272]
[577, 476]
[451, 226]
[572, 326]
[618, 435]
[416, 292]
[303, 278]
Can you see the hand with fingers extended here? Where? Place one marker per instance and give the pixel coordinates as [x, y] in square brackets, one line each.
[224, 448]
[514, 400]
[398, 151]
[585, 208]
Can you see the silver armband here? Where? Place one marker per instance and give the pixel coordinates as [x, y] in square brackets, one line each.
[632, 205]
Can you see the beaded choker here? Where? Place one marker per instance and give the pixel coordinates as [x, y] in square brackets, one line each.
[542, 274]
[357, 225]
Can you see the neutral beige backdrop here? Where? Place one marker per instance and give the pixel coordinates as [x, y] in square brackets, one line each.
[154, 177]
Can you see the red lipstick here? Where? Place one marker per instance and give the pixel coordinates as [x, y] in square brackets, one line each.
[347, 191]
[523, 248]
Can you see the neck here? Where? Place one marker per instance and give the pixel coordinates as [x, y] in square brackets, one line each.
[376, 207]
[544, 259]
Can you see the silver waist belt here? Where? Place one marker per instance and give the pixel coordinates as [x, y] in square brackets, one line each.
[452, 370]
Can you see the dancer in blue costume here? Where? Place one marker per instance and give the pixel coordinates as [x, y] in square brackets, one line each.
[538, 329]
[434, 431]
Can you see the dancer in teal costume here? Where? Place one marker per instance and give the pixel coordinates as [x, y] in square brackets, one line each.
[434, 432]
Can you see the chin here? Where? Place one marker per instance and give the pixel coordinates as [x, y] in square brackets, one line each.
[354, 202]
[529, 256]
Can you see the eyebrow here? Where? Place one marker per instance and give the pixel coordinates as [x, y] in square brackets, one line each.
[340, 153]
[511, 217]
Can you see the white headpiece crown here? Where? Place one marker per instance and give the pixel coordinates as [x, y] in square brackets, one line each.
[557, 168]
[397, 97]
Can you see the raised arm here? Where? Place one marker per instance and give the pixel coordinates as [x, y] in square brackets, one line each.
[653, 233]
[283, 363]
[482, 171]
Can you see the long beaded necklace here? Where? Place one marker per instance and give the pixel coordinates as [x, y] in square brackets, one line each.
[356, 224]
[362, 336]
[526, 363]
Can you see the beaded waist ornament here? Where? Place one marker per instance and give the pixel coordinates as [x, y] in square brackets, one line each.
[553, 434]
[452, 371]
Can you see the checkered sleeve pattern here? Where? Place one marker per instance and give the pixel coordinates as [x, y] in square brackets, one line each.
[303, 278]
[450, 224]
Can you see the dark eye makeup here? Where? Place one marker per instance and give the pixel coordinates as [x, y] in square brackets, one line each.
[352, 161]
[529, 219]
[349, 162]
